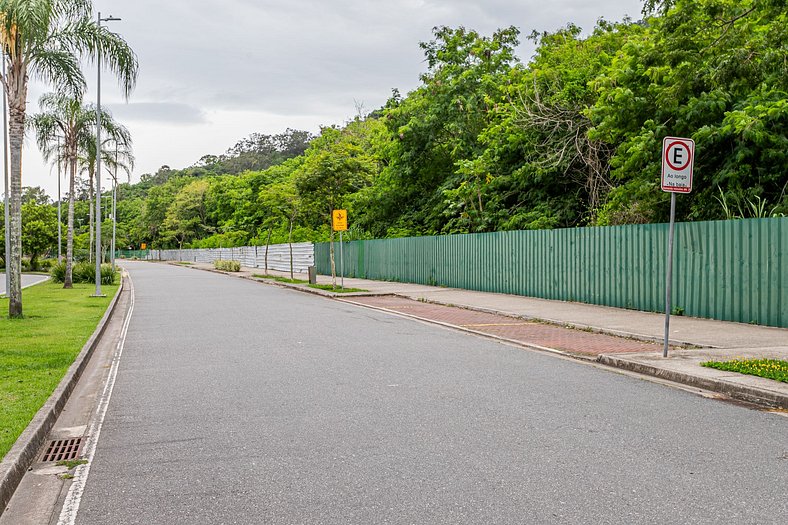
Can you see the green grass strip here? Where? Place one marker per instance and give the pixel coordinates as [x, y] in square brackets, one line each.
[279, 279]
[337, 289]
[776, 369]
[36, 351]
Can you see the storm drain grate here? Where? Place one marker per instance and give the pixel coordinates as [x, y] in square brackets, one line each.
[63, 449]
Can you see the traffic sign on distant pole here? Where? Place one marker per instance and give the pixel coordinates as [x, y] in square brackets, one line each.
[678, 158]
[339, 224]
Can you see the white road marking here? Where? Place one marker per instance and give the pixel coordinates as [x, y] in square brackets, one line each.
[68, 515]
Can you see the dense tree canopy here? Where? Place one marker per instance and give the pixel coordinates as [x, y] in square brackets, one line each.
[489, 142]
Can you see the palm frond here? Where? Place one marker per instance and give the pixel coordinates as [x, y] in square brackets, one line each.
[70, 9]
[86, 38]
[59, 68]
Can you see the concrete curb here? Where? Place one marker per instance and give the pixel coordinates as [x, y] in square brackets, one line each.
[23, 453]
[292, 286]
[740, 392]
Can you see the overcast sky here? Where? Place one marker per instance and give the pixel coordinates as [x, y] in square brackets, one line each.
[215, 71]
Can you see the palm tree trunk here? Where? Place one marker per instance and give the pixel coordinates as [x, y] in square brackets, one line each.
[290, 243]
[16, 136]
[90, 221]
[68, 281]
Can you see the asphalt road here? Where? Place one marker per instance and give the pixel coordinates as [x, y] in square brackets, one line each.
[244, 403]
[27, 280]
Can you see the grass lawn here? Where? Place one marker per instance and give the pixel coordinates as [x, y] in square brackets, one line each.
[776, 369]
[279, 279]
[36, 351]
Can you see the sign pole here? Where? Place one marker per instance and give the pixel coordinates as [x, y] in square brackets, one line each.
[341, 261]
[678, 157]
[669, 276]
[339, 224]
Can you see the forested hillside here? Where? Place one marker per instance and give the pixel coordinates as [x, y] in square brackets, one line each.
[489, 141]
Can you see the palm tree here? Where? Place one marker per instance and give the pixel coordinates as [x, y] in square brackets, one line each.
[117, 137]
[46, 39]
[66, 117]
[122, 159]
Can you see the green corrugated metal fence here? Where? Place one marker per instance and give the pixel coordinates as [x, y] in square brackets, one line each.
[129, 254]
[730, 270]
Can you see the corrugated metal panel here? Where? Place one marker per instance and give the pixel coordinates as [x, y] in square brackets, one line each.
[248, 256]
[729, 270]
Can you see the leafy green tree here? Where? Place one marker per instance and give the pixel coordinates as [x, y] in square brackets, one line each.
[45, 38]
[282, 202]
[335, 165]
[186, 216]
[39, 230]
[257, 152]
[34, 194]
[438, 127]
[713, 70]
[157, 202]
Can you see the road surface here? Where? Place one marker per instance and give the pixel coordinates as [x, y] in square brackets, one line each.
[237, 402]
[27, 280]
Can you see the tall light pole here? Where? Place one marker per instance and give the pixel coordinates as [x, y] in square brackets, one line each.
[5, 199]
[114, 207]
[59, 219]
[98, 156]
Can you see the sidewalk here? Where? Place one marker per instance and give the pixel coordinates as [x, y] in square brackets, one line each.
[584, 331]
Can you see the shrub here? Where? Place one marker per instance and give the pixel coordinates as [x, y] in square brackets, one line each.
[58, 272]
[227, 266]
[83, 272]
[46, 264]
[107, 275]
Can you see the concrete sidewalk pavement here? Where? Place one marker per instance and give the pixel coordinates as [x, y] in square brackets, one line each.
[706, 339]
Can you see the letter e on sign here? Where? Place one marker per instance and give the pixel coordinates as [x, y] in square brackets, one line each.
[339, 220]
[678, 158]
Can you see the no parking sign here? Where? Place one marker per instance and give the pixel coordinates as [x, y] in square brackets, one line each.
[678, 157]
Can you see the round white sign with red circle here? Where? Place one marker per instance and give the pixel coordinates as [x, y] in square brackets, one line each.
[678, 157]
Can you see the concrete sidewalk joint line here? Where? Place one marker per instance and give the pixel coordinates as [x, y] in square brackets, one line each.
[25, 450]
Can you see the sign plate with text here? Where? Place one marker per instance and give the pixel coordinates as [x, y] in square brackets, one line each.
[340, 220]
[678, 157]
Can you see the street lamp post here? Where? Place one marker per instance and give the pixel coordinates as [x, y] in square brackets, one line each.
[98, 157]
[114, 207]
[5, 199]
[59, 219]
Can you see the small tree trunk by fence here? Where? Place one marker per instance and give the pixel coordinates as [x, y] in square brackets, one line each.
[333, 264]
[267, 244]
[290, 242]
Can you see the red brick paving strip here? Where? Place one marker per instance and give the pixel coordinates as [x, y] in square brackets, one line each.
[545, 335]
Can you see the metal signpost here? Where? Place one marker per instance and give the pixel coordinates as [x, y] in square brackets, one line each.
[678, 157]
[339, 223]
